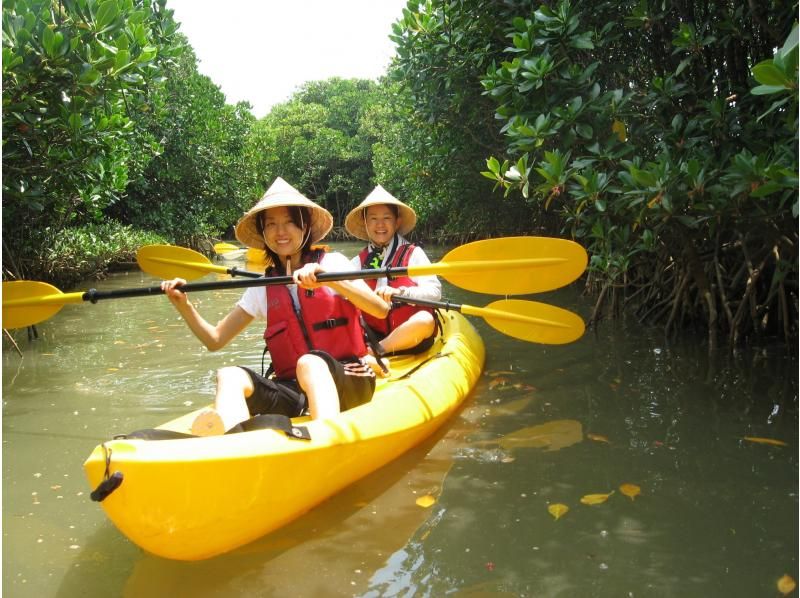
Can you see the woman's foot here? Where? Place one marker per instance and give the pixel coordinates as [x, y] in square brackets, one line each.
[208, 423]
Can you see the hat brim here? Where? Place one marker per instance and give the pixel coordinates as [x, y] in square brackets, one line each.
[247, 230]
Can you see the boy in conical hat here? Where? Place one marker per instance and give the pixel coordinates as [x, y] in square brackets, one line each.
[383, 221]
[332, 376]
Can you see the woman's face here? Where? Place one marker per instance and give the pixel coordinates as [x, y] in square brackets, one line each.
[281, 234]
[381, 224]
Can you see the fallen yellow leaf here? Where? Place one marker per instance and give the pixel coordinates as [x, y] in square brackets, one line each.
[771, 441]
[598, 438]
[595, 499]
[786, 585]
[630, 490]
[426, 501]
[557, 510]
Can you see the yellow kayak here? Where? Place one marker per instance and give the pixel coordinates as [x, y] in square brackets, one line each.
[194, 498]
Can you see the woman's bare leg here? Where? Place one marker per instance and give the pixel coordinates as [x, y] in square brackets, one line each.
[316, 380]
[410, 333]
[230, 406]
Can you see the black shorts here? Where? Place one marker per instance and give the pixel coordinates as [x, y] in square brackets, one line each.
[355, 383]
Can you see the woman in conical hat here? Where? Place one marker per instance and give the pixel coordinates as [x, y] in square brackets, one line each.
[383, 221]
[332, 376]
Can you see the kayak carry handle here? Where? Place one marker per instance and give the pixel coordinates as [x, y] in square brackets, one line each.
[107, 486]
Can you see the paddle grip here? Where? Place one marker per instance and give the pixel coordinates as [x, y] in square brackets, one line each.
[446, 305]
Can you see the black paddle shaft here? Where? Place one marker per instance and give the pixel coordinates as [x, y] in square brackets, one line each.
[445, 305]
[93, 295]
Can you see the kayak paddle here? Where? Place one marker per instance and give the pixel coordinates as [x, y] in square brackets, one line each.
[225, 247]
[526, 320]
[27, 302]
[502, 266]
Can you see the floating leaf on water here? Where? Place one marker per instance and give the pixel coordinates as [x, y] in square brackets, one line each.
[557, 510]
[770, 441]
[525, 387]
[595, 499]
[496, 373]
[553, 436]
[495, 382]
[511, 408]
[786, 585]
[630, 490]
[598, 438]
[426, 501]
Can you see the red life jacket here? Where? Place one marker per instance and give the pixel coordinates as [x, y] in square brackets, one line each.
[397, 313]
[326, 321]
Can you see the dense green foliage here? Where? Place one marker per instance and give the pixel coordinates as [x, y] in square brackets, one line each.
[437, 127]
[636, 128]
[84, 251]
[661, 136]
[74, 75]
[198, 183]
[316, 141]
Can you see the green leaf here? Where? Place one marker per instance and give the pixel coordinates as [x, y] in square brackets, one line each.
[791, 43]
[643, 177]
[585, 131]
[763, 90]
[493, 164]
[106, 15]
[148, 53]
[766, 189]
[767, 73]
[582, 42]
[48, 42]
[122, 60]
[89, 76]
[75, 122]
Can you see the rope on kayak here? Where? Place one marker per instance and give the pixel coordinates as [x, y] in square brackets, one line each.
[111, 481]
[419, 365]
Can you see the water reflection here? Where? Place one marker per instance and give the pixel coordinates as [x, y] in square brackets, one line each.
[717, 515]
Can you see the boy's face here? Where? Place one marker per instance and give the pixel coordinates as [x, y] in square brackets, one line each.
[381, 224]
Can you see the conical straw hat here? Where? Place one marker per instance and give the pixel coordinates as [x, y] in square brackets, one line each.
[282, 194]
[354, 223]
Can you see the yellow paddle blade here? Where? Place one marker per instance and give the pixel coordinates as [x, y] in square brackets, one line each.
[256, 256]
[171, 261]
[530, 321]
[510, 265]
[27, 302]
[225, 247]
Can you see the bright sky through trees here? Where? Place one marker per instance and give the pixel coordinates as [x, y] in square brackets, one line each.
[260, 51]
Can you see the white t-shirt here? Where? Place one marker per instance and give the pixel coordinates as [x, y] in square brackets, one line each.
[254, 299]
[428, 287]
